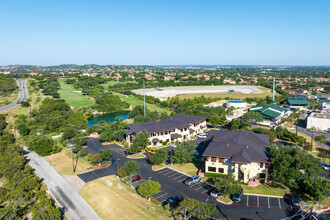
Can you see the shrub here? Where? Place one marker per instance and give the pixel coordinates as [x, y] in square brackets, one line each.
[262, 181]
[25, 104]
[308, 147]
[82, 152]
[214, 175]
[121, 172]
[95, 158]
[164, 143]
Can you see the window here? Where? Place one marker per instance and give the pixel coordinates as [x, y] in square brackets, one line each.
[221, 170]
[213, 159]
[261, 165]
[262, 175]
[221, 160]
[212, 169]
[167, 140]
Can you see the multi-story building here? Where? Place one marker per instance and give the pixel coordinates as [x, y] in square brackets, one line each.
[178, 127]
[241, 153]
[271, 113]
[319, 121]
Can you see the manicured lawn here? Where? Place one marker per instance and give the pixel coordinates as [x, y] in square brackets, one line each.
[266, 190]
[74, 99]
[190, 169]
[111, 199]
[225, 199]
[266, 92]
[111, 83]
[133, 101]
[158, 167]
[62, 162]
[138, 155]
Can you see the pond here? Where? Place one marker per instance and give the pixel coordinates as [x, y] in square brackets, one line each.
[109, 117]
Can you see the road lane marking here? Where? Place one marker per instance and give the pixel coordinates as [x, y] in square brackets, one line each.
[174, 174]
[166, 173]
[247, 200]
[279, 203]
[199, 187]
[258, 200]
[268, 202]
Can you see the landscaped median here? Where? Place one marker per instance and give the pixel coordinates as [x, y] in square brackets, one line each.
[136, 156]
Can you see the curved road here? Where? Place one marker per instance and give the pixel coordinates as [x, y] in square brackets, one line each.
[22, 95]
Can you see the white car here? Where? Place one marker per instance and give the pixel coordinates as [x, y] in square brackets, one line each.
[173, 145]
[203, 135]
[325, 166]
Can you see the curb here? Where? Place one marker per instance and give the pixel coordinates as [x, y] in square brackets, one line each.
[323, 210]
[225, 203]
[272, 196]
[136, 158]
[95, 169]
[153, 168]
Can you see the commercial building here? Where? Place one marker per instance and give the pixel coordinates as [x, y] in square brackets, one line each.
[271, 113]
[319, 121]
[179, 127]
[241, 153]
[297, 103]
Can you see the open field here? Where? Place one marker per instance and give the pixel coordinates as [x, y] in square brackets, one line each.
[208, 91]
[133, 101]
[5, 100]
[62, 162]
[73, 98]
[111, 199]
[190, 169]
[111, 83]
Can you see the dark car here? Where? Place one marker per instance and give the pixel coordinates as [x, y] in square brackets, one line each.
[136, 178]
[173, 201]
[214, 193]
[295, 200]
[237, 196]
[192, 180]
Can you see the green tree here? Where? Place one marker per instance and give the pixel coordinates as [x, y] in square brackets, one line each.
[95, 158]
[3, 122]
[131, 168]
[42, 145]
[318, 187]
[194, 209]
[252, 117]
[184, 152]
[23, 129]
[82, 152]
[105, 154]
[149, 187]
[159, 157]
[140, 142]
[89, 156]
[226, 184]
[321, 138]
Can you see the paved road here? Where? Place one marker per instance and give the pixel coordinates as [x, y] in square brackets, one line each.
[75, 207]
[251, 207]
[22, 95]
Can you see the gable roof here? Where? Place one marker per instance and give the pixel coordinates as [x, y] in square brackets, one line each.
[178, 121]
[239, 146]
[269, 111]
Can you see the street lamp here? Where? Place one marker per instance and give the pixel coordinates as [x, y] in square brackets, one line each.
[117, 165]
[149, 178]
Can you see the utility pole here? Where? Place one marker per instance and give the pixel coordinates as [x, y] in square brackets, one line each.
[30, 113]
[117, 165]
[274, 89]
[144, 102]
[312, 137]
[148, 188]
[206, 207]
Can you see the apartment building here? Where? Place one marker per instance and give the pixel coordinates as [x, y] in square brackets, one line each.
[241, 153]
[178, 127]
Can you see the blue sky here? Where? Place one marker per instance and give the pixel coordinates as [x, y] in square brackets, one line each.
[220, 32]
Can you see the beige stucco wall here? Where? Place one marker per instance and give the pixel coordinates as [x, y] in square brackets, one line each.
[250, 171]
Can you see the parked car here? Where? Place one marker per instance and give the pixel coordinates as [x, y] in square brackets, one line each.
[112, 142]
[173, 201]
[214, 193]
[325, 166]
[173, 145]
[201, 135]
[192, 180]
[135, 178]
[237, 196]
[295, 200]
[150, 150]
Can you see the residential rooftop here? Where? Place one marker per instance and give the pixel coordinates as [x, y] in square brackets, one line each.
[269, 111]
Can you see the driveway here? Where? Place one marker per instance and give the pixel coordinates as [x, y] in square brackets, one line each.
[251, 207]
[22, 95]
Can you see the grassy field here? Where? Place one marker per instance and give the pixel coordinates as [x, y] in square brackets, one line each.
[133, 101]
[62, 162]
[111, 199]
[8, 99]
[266, 92]
[73, 98]
[266, 190]
[190, 169]
[111, 83]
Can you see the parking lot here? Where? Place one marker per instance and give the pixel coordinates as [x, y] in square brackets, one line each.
[264, 202]
[202, 187]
